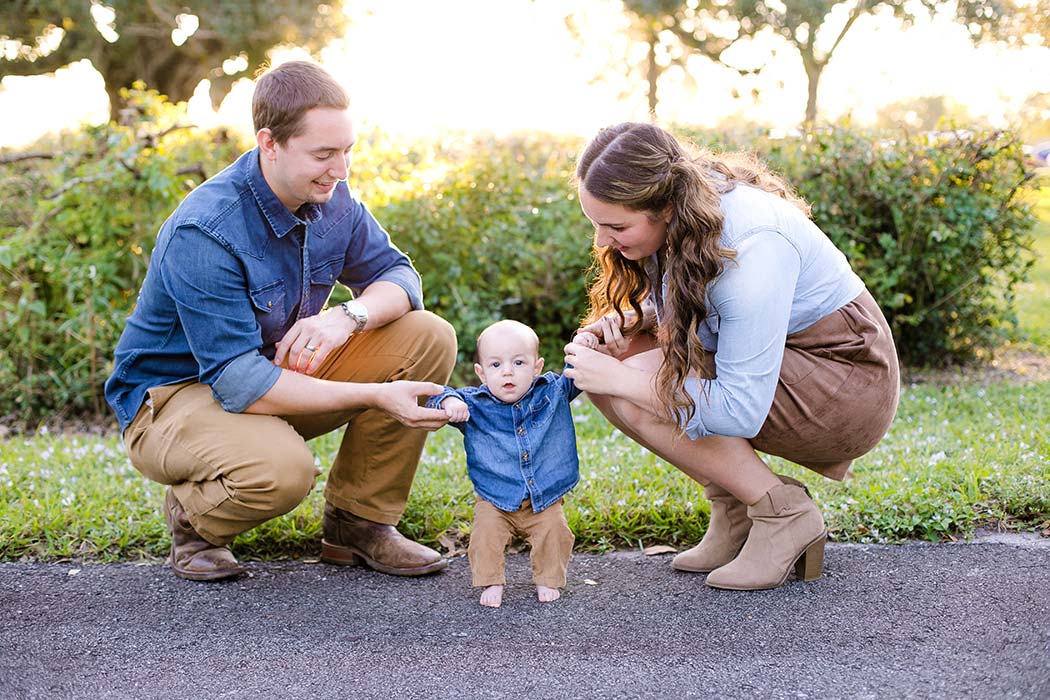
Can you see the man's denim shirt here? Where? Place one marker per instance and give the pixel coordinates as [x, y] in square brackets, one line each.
[226, 281]
[523, 449]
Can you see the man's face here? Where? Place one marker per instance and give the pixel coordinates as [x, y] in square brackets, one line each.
[307, 167]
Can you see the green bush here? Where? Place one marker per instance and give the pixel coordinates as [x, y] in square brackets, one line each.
[936, 229]
[76, 231]
[936, 226]
[493, 228]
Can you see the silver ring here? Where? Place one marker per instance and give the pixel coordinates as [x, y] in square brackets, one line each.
[311, 348]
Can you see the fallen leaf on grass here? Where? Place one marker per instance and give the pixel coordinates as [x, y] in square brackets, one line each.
[658, 549]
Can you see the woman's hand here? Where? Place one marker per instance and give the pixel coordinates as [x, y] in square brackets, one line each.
[609, 332]
[592, 371]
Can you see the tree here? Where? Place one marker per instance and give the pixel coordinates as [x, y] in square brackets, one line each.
[711, 27]
[171, 45]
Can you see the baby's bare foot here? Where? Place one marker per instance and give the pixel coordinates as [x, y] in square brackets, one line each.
[492, 597]
[547, 595]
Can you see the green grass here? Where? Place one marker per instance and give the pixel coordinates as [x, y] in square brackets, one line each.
[956, 458]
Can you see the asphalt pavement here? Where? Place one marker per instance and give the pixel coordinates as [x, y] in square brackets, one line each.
[968, 620]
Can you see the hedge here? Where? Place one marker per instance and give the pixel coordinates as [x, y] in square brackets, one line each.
[937, 227]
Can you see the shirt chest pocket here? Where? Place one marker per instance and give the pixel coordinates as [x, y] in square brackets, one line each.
[269, 304]
[541, 412]
[323, 277]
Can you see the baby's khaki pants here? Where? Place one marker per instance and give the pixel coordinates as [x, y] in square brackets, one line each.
[547, 533]
[233, 471]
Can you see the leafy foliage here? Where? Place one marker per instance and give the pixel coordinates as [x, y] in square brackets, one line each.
[139, 41]
[813, 28]
[936, 228]
[75, 238]
[492, 226]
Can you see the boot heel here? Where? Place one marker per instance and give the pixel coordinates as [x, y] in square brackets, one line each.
[341, 556]
[810, 565]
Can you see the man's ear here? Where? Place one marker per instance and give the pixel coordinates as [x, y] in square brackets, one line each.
[267, 144]
[539, 366]
[477, 371]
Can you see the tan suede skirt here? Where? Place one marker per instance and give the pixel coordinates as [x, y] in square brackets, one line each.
[838, 390]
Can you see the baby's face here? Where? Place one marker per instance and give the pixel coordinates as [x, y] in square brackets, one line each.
[508, 364]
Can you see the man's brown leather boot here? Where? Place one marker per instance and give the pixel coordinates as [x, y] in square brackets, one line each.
[192, 556]
[350, 540]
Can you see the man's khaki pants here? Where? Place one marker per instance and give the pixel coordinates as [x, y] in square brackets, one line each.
[547, 533]
[233, 471]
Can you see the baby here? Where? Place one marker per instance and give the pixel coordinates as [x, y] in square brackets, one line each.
[521, 457]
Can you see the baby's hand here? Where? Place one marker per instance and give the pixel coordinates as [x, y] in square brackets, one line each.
[456, 410]
[586, 339]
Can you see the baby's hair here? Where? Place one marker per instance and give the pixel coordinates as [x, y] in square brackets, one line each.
[508, 324]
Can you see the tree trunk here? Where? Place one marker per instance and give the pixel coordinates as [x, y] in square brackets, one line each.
[814, 69]
[652, 75]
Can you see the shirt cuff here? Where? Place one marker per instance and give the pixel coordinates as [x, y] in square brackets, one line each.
[244, 381]
[407, 278]
[435, 401]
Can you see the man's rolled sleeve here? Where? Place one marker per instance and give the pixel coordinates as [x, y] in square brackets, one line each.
[244, 381]
[372, 257]
[406, 277]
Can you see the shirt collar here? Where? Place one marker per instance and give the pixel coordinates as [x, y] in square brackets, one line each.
[281, 219]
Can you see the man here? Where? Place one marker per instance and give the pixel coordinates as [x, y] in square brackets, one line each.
[230, 362]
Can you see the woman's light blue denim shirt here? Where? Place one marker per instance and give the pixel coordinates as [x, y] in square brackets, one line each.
[787, 276]
[523, 449]
[232, 270]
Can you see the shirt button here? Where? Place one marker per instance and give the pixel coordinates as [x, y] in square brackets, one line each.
[517, 405]
[269, 304]
[521, 430]
[531, 482]
[525, 456]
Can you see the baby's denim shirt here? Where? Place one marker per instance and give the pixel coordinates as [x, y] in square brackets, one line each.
[523, 449]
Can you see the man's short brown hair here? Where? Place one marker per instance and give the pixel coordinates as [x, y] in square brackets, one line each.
[285, 93]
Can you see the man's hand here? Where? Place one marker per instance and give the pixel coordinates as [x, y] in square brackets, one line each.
[401, 400]
[307, 343]
[457, 411]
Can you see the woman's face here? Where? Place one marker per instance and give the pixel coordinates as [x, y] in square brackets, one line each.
[634, 234]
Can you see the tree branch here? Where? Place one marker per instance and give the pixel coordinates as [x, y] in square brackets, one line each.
[19, 157]
[71, 184]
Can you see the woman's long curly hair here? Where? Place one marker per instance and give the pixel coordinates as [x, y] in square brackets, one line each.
[644, 168]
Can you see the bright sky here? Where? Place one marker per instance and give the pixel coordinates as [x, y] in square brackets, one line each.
[417, 66]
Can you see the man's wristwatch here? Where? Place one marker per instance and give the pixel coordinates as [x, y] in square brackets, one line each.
[357, 312]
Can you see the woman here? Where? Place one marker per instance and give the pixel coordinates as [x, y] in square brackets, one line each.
[731, 324]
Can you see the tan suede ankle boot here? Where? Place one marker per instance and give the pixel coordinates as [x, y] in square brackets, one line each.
[726, 531]
[787, 530]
